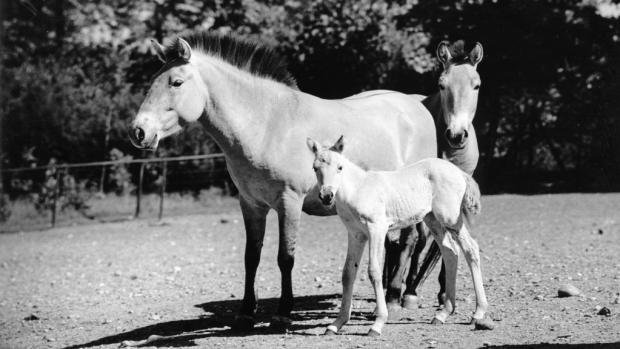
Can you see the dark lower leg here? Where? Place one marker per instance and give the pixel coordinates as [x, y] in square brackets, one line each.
[415, 259]
[289, 218]
[441, 296]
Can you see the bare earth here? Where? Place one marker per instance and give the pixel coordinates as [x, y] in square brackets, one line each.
[100, 285]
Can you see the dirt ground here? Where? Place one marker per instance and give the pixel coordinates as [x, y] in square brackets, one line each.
[100, 285]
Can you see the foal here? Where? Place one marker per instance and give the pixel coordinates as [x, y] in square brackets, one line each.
[370, 203]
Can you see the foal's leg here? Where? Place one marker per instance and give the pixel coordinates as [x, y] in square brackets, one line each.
[355, 250]
[254, 220]
[377, 233]
[472, 255]
[289, 216]
[410, 297]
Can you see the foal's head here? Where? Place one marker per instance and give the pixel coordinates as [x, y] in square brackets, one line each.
[177, 91]
[327, 166]
[459, 83]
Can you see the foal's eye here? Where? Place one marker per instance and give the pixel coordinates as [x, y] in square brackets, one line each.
[477, 87]
[442, 87]
[339, 168]
[177, 83]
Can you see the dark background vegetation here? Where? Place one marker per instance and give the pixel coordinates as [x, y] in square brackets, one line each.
[75, 72]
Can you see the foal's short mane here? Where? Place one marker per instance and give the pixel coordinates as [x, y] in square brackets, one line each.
[460, 55]
[245, 54]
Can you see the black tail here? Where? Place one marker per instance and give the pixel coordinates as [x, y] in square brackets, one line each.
[430, 260]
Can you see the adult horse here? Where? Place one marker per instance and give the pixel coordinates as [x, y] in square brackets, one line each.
[453, 108]
[250, 105]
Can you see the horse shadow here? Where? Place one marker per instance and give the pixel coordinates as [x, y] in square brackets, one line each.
[217, 321]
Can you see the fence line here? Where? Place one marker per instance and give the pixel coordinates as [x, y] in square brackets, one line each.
[60, 168]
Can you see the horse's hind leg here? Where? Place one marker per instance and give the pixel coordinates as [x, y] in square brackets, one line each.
[254, 220]
[449, 253]
[410, 297]
[355, 250]
[472, 255]
[289, 217]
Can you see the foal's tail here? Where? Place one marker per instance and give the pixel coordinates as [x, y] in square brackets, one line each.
[470, 206]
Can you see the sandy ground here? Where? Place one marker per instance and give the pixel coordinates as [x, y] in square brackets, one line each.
[100, 285]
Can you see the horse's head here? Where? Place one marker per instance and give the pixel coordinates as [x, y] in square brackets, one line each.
[458, 84]
[177, 91]
[327, 166]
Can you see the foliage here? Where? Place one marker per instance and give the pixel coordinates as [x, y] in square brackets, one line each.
[74, 74]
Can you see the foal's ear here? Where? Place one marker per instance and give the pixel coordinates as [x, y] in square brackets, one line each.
[339, 145]
[475, 56]
[312, 145]
[184, 51]
[443, 53]
[159, 50]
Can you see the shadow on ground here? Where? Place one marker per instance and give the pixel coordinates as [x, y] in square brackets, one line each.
[558, 346]
[217, 322]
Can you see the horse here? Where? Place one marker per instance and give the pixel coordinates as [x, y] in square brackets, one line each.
[250, 105]
[453, 108]
[371, 203]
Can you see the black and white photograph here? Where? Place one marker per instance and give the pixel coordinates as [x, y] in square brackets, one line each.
[310, 174]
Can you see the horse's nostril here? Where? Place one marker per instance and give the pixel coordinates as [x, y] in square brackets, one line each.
[139, 134]
[465, 134]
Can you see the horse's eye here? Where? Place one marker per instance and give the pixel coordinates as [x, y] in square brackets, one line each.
[339, 168]
[477, 87]
[442, 87]
[177, 83]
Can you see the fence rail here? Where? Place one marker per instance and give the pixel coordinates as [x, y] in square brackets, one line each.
[61, 169]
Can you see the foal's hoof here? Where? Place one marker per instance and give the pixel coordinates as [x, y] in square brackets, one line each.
[436, 321]
[243, 323]
[329, 332]
[410, 302]
[280, 323]
[483, 324]
[373, 333]
[394, 311]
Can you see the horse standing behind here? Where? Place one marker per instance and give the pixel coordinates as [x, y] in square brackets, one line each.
[370, 203]
[250, 105]
[453, 108]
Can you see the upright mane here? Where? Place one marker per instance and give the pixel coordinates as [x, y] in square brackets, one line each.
[245, 54]
[460, 55]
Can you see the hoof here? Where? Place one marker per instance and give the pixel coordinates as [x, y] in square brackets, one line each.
[410, 302]
[483, 324]
[436, 321]
[394, 311]
[330, 332]
[280, 323]
[243, 323]
[373, 333]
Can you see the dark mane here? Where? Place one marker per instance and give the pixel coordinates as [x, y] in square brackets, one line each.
[459, 53]
[245, 54]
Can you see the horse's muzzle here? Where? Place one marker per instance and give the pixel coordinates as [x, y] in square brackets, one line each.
[139, 139]
[327, 197]
[456, 140]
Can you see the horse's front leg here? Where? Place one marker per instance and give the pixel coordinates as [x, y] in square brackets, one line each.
[399, 257]
[355, 250]
[449, 253]
[377, 233]
[289, 216]
[254, 220]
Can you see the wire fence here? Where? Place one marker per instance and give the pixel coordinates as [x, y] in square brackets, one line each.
[53, 187]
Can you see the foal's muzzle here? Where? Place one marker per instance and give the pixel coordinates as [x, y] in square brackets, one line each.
[456, 140]
[326, 195]
[139, 138]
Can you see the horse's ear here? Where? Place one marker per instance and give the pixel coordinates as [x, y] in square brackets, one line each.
[312, 145]
[184, 50]
[338, 147]
[159, 50]
[475, 56]
[443, 53]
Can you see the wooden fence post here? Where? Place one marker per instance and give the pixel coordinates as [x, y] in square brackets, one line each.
[139, 190]
[56, 194]
[162, 192]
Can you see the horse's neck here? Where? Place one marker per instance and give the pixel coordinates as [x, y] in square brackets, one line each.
[240, 106]
[353, 177]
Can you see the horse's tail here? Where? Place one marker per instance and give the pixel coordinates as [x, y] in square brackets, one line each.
[430, 260]
[470, 206]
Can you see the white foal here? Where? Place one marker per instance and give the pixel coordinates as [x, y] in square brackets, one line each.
[370, 203]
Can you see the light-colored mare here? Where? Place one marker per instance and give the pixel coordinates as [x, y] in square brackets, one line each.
[370, 203]
[261, 126]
